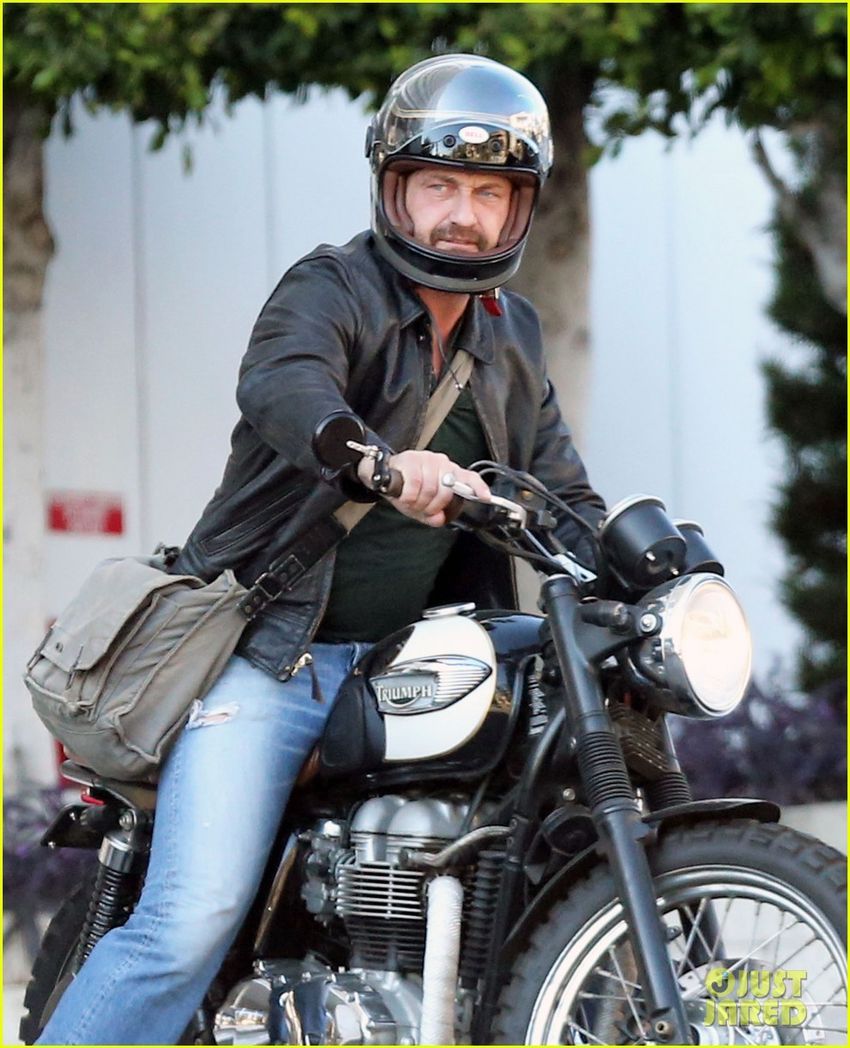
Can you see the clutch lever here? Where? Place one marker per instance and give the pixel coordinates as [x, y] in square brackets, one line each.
[515, 513]
[390, 482]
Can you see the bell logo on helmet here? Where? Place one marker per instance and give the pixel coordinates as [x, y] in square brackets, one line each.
[474, 135]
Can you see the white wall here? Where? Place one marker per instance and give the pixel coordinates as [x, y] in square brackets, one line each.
[159, 275]
[682, 272]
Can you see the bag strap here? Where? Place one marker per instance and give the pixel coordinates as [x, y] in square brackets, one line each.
[282, 574]
[442, 400]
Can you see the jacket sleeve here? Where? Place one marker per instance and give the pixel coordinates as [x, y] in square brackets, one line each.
[295, 371]
[558, 465]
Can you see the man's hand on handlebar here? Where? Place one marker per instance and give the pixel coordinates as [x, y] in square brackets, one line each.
[424, 497]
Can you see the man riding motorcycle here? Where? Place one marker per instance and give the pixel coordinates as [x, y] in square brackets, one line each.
[459, 151]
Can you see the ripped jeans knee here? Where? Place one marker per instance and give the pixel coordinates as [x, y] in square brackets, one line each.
[201, 718]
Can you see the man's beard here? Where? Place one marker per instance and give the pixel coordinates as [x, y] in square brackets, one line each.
[455, 234]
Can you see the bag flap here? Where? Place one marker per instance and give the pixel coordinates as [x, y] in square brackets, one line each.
[107, 599]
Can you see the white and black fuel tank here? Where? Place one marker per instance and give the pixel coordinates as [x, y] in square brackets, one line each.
[434, 699]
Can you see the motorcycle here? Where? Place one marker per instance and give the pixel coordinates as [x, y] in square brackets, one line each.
[494, 843]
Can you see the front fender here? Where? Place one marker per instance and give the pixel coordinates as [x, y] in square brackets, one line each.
[689, 814]
[725, 808]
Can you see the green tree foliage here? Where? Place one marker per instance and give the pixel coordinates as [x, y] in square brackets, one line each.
[762, 65]
[807, 408]
[772, 65]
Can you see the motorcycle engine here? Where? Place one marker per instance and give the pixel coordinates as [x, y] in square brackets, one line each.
[361, 881]
[352, 872]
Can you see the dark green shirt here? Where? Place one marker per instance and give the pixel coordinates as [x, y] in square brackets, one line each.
[386, 568]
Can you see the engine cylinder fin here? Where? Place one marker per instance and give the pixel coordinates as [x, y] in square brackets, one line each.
[379, 891]
[388, 945]
[363, 881]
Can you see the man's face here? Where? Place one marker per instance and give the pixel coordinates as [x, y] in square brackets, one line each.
[461, 212]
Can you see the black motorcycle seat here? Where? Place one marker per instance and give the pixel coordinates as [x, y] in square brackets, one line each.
[140, 795]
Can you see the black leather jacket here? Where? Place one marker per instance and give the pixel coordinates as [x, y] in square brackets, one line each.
[342, 330]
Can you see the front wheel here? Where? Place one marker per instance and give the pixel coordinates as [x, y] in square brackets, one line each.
[756, 921]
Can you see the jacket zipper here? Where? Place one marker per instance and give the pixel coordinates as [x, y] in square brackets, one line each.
[305, 658]
[428, 374]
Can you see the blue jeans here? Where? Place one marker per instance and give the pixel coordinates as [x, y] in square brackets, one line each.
[221, 795]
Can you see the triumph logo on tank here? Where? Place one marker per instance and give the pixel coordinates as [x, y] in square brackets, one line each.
[428, 684]
[401, 690]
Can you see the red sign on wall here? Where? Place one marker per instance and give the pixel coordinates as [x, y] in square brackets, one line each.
[90, 513]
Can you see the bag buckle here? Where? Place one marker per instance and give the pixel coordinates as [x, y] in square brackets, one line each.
[260, 594]
[268, 594]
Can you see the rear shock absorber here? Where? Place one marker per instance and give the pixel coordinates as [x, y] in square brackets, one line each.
[117, 885]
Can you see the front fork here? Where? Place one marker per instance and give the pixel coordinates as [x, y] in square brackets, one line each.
[615, 811]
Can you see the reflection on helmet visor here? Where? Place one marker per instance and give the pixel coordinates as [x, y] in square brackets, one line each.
[452, 141]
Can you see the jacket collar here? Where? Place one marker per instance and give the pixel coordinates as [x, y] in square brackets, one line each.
[476, 332]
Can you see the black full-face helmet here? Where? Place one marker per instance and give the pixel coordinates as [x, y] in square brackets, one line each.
[457, 111]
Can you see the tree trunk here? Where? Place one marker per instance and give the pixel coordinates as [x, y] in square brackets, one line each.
[555, 272]
[27, 247]
[819, 224]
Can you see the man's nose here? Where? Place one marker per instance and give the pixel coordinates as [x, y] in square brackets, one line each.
[463, 213]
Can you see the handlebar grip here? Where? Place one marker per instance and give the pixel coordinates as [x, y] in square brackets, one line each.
[396, 485]
[455, 508]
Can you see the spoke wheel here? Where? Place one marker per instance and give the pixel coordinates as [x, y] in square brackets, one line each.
[756, 937]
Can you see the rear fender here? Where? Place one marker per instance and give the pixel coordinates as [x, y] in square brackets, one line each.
[84, 825]
[689, 814]
[79, 826]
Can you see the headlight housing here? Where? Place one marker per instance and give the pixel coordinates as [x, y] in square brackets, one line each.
[702, 657]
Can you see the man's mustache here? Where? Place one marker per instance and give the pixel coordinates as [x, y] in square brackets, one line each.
[458, 235]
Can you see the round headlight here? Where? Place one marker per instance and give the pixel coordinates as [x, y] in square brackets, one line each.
[703, 654]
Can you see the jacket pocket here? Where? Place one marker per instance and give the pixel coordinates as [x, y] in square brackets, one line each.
[254, 523]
